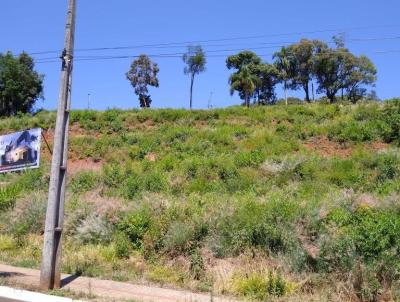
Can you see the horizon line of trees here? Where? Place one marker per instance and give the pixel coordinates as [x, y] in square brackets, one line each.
[298, 66]
[334, 70]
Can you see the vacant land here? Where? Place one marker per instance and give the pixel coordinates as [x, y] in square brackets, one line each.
[297, 203]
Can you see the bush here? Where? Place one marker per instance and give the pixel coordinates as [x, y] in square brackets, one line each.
[267, 225]
[84, 181]
[122, 246]
[135, 225]
[30, 217]
[260, 287]
[8, 196]
[94, 230]
[179, 237]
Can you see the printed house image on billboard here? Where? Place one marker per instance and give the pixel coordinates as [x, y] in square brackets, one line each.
[20, 150]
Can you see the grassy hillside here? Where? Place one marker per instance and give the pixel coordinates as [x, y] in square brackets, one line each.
[297, 203]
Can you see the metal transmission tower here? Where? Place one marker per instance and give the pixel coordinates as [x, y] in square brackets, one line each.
[50, 276]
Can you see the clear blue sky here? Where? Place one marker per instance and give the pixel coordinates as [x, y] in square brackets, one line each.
[39, 26]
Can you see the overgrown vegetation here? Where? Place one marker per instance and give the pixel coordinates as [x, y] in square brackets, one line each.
[246, 202]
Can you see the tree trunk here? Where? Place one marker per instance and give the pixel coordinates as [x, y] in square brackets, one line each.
[285, 88]
[306, 90]
[313, 94]
[247, 100]
[191, 91]
[331, 97]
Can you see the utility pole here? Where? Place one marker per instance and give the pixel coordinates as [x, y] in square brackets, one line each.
[209, 105]
[50, 275]
[88, 101]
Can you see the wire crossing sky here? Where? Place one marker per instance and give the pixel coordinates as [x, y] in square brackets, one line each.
[111, 34]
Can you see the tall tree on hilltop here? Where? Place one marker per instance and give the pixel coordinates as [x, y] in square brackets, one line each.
[303, 54]
[20, 85]
[195, 60]
[284, 63]
[249, 68]
[245, 83]
[363, 74]
[143, 73]
[268, 77]
[338, 69]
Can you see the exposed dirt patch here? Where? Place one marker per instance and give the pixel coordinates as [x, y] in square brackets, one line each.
[151, 157]
[326, 148]
[75, 166]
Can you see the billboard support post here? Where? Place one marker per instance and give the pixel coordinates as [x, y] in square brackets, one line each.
[50, 274]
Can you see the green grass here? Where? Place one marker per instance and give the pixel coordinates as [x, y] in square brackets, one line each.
[180, 191]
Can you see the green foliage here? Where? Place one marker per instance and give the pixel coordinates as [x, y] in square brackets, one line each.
[143, 73]
[20, 85]
[8, 196]
[123, 246]
[259, 287]
[267, 225]
[84, 181]
[195, 60]
[135, 226]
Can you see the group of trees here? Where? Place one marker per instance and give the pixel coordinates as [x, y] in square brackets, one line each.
[299, 65]
[333, 69]
[143, 72]
[296, 66]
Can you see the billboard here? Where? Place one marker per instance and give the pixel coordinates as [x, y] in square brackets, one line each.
[20, 150]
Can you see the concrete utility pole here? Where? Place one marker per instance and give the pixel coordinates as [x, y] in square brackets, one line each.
[50, 275]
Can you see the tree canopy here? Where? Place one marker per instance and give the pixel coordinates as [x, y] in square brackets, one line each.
[297, 65]
[250, 68]
[143, 73]
[20, 85]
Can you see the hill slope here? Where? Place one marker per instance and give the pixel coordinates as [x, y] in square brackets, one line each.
[300, 203]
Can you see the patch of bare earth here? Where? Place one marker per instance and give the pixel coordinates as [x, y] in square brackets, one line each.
[77, 165]
[327, 148]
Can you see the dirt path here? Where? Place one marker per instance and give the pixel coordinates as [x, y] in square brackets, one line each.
[110, 290]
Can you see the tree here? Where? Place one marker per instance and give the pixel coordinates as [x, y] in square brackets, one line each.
[337, 69]
[143, 73]
[242, 59]
[245, 83]
[303, 54]
[363, 74]
[20, 85]
[265, 86]
[285, 65]
[195, 60]
[249, 66]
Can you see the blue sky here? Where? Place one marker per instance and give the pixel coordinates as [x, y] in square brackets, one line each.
[38, 25]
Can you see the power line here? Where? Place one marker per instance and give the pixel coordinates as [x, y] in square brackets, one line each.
[212, 51]
[219, 40]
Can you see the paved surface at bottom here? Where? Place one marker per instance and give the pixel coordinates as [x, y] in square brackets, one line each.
[111, 290]
[8, 300]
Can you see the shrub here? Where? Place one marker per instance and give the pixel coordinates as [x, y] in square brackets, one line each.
[84, 181]
[113, 175]
[134, 185]
[179, 237]
[258, 286]
[135, 225]
[8, 196]
[266, 225]
[154, 182]
[30, 217]
[94, 230]
[122, 246]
